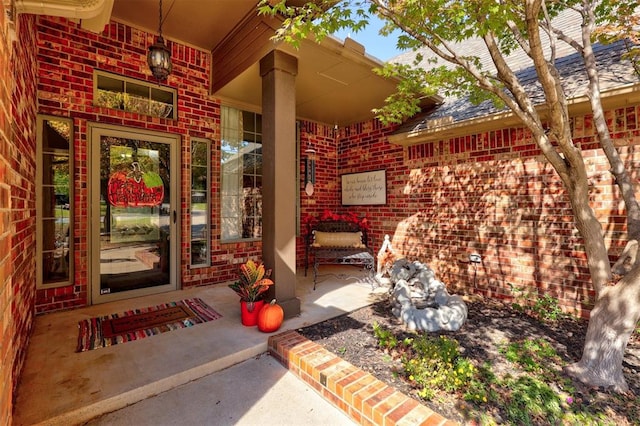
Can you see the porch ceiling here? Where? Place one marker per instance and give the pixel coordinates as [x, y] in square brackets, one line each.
[334, 85]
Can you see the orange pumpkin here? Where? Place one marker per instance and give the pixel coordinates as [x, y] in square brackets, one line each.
[270, 317]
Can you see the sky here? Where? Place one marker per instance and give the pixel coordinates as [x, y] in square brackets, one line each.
[383, 48]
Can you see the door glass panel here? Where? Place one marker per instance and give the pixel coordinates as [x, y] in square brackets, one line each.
[134, 214]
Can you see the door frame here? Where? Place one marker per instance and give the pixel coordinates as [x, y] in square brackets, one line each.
[94, 131]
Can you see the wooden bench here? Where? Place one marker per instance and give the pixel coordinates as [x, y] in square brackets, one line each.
[337, 243]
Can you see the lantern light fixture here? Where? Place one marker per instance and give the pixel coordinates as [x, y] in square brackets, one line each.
[159, 56]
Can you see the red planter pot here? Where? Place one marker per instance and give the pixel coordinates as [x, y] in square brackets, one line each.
[248, 313]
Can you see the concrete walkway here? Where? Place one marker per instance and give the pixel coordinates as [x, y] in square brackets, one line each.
[61, 387]
[259, 391]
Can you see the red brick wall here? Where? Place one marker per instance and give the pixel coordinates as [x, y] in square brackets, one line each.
[17, 208]
[492, 194]
[487, 193]
[68, 55]
[6, 292]
[321, 138]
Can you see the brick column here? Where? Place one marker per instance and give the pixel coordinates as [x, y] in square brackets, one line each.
[279, 183]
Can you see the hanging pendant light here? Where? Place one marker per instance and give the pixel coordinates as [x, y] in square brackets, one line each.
[159, 56]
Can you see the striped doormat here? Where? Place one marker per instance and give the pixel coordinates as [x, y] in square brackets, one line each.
[112, 329]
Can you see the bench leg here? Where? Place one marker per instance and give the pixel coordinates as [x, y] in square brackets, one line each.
[315, 274]
[372, 275]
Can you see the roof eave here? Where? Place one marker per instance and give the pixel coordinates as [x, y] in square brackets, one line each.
[613, 98]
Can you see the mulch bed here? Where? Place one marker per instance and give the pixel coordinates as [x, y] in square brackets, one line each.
[489, 325]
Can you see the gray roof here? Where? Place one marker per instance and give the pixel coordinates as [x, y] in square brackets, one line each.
[613, 71]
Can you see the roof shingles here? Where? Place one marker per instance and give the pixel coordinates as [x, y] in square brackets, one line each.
[613, 72]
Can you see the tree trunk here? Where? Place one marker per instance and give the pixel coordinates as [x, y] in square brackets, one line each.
[612, 321]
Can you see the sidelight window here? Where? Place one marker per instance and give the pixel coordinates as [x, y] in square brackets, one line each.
[54, 201]
[241, 158]
[200, 189]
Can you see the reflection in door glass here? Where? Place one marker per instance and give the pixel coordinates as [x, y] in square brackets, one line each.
[200, 154]
[54, 205]
[134, 214]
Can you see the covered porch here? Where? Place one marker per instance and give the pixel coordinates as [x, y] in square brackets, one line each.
[252, 198]
[223, 57]
[61, 386]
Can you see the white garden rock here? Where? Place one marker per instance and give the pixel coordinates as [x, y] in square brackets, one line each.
[421, 301]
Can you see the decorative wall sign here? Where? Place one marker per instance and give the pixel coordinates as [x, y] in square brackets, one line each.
[364, 188]
[135, 189]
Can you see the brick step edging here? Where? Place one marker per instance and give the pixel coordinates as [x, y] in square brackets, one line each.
[362, 397]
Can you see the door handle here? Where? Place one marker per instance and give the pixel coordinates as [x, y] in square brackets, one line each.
[175, 216]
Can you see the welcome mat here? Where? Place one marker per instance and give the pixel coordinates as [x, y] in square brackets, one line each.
[112, 329]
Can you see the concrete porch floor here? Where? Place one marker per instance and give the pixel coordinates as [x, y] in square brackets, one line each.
[60, 386]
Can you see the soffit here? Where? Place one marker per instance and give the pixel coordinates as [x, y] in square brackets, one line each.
[335, 82]
[199, 23]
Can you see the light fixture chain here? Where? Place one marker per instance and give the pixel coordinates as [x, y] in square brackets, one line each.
[160, 21]
[159, 55]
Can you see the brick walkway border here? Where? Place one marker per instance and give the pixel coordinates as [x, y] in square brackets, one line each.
[362, 397]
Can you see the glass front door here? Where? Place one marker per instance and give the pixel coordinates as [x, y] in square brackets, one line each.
[133, 203]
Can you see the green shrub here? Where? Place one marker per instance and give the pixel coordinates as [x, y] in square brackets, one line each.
[480, 389]
[386, 338]
[435, 364]
[532, 401]
[547, 308]
[537, 394]
[532, 355]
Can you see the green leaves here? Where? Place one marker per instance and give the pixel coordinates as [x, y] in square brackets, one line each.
[444, 29]
[152, 179]
[439, 25]
[625, 27]
[412, 86]
[315, 19]
[253, 281]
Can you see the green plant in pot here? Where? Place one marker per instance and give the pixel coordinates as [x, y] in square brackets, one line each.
[254, 281]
